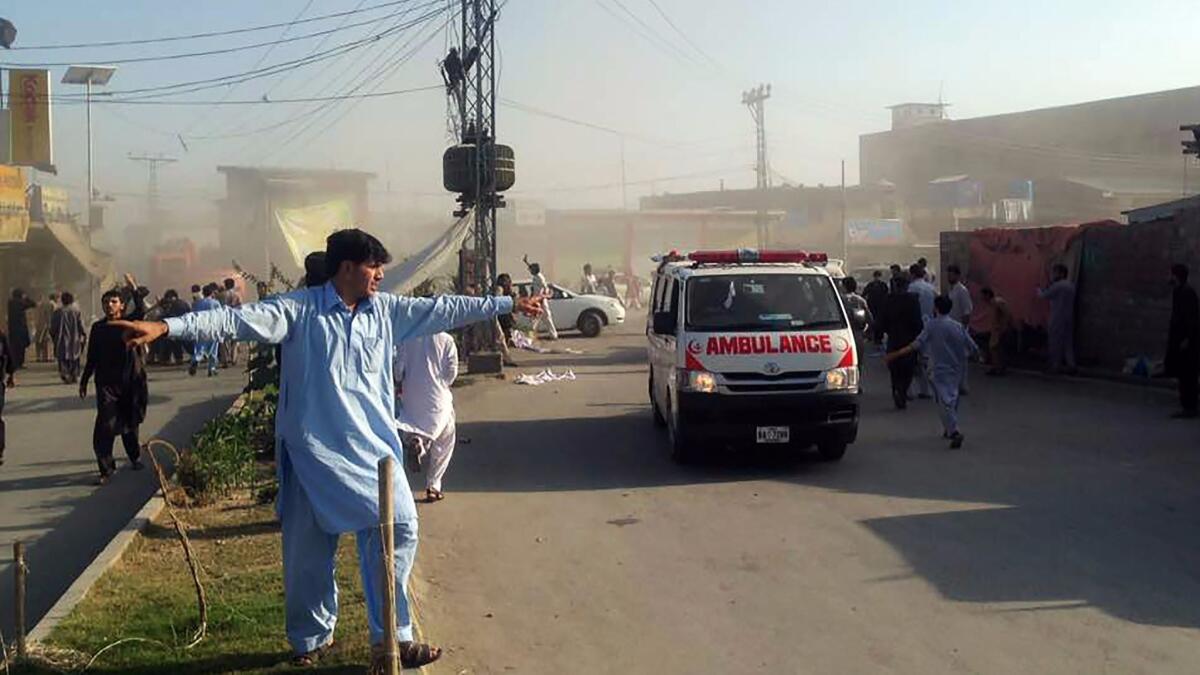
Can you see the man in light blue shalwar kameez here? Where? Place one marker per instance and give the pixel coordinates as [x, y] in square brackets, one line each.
[945, 343]
[334, 423]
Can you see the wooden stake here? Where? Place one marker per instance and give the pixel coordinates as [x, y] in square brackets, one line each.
[387, 519]
[19, 570]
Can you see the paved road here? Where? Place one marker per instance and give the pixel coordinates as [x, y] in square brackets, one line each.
[1061, 540]
[47, 494]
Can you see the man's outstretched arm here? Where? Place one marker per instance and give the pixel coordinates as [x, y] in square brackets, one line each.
[415, 317]
[267, 321]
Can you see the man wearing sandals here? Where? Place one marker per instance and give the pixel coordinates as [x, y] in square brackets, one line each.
[334, 423]
[426, 367]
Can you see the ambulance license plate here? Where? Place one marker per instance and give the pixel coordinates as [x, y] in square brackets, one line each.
[774, 434]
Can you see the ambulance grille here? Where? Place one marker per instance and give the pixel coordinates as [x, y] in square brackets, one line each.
[763, 377]
[765, 388]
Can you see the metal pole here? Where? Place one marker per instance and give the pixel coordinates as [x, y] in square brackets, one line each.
[386, 520]
[94, 285]
[19, 570]
[845, 239]
[624, 199]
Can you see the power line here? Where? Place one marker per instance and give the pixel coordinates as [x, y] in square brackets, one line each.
[683, 35]
[259, 101]
[275, 69]
[271, 44]
[665, 47]
[196, 36]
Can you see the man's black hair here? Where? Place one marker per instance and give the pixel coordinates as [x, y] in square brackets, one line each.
[535, 268]
[67, 298]
[354, 246]
[849, 284]
[922, 262]
[171, 294]
[112, 293]
[209, 290]
[195, 288]
[17, 294]
[943, 304]
[916, 272]
[1060, 268]
[314, 269]
[877, 274]
[954, 269]
[1180, 272]
[988, 292]
[229, 284]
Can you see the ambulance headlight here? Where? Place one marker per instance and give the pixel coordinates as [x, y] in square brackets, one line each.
[699, 381]
[842, 379]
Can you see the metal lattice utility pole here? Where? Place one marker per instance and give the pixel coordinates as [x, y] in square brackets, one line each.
[152, 162]
[753, 99]
[479, 127]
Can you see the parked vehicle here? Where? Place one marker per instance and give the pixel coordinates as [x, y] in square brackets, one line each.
[588, 314]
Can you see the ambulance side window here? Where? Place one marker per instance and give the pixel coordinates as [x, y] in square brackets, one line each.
[656, 294]
[673, 303]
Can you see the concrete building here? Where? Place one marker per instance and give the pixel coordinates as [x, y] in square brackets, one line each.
[1069, 163]
[249, 232]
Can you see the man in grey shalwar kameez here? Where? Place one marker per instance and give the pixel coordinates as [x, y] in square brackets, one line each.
[69, 333]
[1060, 345]
[946, 345]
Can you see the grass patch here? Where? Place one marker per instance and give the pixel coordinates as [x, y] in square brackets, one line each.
[148, 595]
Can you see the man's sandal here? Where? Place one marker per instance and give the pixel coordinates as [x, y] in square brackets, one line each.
[412, 655]
[310, 659]
[432, 495]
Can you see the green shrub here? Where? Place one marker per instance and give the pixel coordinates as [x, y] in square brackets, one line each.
[227, 451]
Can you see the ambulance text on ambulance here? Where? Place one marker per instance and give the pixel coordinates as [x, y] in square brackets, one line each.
[767, 344]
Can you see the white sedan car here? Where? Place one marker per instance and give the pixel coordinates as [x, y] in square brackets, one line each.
[588, 314]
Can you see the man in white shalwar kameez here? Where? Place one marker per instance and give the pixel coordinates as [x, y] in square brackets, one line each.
[425, 367]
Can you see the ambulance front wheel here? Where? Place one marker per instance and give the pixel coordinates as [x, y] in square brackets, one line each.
[832, 451]
[683, 449]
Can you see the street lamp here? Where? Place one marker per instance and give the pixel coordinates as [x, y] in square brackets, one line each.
[87, 76]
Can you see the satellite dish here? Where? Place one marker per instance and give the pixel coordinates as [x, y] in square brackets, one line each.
[8, 33]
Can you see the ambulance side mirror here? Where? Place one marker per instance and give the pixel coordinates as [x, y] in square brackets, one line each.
[664, 323]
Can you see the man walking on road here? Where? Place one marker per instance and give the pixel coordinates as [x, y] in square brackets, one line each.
[41, 323]
[69, 334]
[425, 368]
[926, 294]
[901, 322]
[18, 326]
[336, 420]
[121, 391]
[1000, 328]
[1183, 341]
[876, 293]
[948, 346]
[539, 289]
[1060, 345]
[962, 306]
[207, 349]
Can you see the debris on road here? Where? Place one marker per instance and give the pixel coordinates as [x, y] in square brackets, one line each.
[544, 377]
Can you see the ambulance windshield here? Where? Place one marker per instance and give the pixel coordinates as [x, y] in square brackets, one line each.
[766, 302]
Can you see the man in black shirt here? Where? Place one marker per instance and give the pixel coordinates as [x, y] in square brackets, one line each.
[121, 391]
[902, 323]
[876, 293]
[1183, 341]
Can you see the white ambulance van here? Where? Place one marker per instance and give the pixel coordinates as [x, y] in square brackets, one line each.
[751, 348]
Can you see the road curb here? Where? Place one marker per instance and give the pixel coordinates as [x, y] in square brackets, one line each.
[104, 560]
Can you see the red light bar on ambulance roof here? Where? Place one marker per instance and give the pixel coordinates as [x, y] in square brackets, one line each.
[749, 255]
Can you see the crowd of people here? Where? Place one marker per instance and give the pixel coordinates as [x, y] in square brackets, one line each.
[927, 336]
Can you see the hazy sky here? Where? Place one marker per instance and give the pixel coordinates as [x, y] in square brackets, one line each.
[833, 66]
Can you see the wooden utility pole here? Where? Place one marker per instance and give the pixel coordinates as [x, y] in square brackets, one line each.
[387, 519]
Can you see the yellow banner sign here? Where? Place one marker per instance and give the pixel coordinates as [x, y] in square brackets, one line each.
[305, 228]
[29, 102]
[14, 214]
